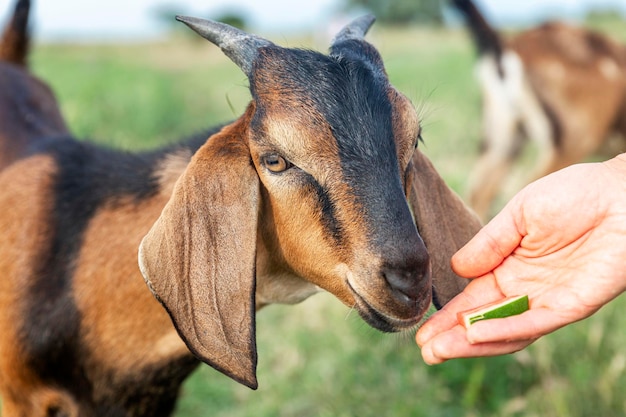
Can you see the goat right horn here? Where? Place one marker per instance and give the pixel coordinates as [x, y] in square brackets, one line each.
[238, 45]
[356, 29]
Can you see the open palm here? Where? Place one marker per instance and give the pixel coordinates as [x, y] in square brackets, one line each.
[561, 240]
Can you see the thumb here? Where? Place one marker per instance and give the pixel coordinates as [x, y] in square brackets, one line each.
[488, 248]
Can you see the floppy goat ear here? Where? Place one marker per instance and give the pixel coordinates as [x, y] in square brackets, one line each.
[444, 222]
[199, 256]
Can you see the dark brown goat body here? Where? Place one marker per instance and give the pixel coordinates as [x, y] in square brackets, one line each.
[292, 198]
[28, 108]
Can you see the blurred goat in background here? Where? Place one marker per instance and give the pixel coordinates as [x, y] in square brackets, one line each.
[28, 108]
[562, 87]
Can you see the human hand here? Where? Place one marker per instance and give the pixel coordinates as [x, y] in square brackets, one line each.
[561, 240]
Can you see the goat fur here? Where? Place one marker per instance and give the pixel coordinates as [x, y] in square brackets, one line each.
[220, 235]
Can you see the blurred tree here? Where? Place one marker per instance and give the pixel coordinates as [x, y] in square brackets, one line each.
[165, 15]
[608, 20]
[603, 14]
[234, 18]
[402, 12]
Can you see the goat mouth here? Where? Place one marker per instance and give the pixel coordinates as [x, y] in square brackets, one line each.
[383, 322]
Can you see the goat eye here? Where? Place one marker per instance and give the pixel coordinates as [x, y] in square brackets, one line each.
[418, 140]
[276, 163]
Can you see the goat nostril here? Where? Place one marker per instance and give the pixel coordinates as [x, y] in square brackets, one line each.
[409, 284]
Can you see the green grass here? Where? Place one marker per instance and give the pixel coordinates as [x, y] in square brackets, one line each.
[318, 358]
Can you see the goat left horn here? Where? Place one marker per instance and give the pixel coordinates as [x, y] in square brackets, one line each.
[356, 29]
[239, 46]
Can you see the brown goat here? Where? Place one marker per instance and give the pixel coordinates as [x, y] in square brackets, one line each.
[28, 108]
[562, 87]
[317, 186]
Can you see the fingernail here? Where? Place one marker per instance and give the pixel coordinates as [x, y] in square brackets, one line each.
[427, 355]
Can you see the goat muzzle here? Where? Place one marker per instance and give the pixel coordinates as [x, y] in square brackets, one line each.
[395, 300]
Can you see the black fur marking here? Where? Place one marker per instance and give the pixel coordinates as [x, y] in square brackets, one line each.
[156, 400]
[88, 178]
[485, 37]
[361, 117]
[327, 210]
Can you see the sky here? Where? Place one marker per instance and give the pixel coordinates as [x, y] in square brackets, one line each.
[134, 19]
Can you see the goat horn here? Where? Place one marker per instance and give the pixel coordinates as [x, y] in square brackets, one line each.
[238, 45]
[356, 29]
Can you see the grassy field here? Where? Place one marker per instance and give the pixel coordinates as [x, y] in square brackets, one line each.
[317, 358]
